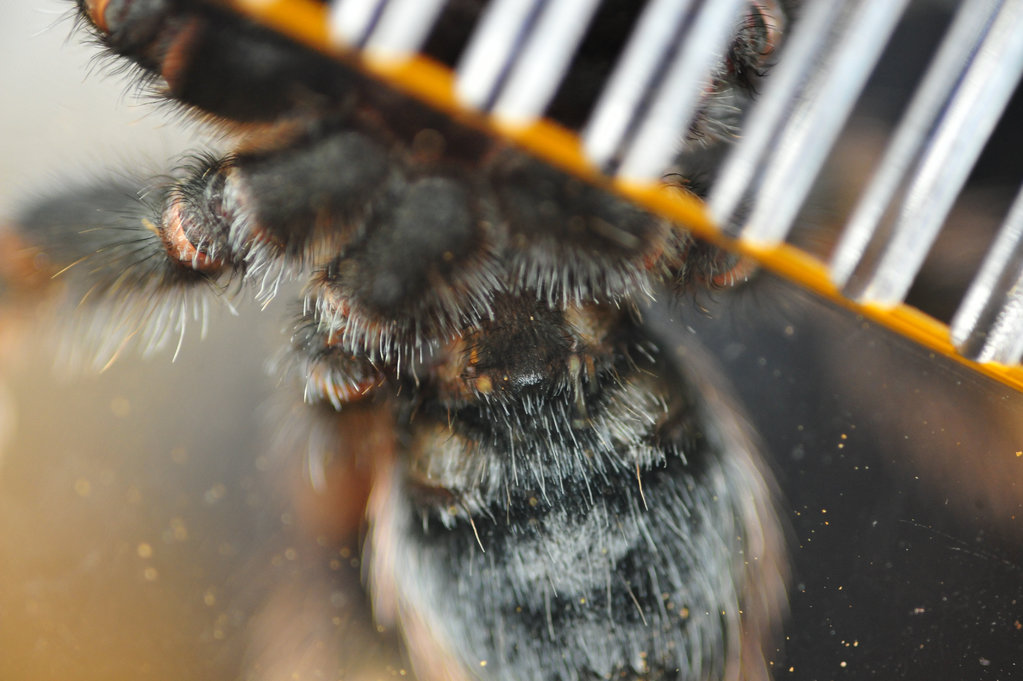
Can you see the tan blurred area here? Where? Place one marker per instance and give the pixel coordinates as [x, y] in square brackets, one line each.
[141, 536]
[125, 498]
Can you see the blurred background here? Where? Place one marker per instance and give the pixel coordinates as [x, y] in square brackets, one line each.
[133, 502]
[144, 531]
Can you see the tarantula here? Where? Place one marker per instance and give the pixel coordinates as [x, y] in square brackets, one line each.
[549, 492]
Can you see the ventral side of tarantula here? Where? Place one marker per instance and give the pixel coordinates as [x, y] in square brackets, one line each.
[549, 493]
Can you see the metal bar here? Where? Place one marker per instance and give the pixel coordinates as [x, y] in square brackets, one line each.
[352, 20]
[788, 79]
[544, 60]
[403, 28]
[988, 326]
[492, 48]
[957, 142]
[931, 98]
[620, 100]
[786, 179]
[659, 137]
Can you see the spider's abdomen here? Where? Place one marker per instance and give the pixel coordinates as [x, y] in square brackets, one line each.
[573, 523]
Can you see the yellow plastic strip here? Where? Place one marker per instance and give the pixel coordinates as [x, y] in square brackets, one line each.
[433, 84]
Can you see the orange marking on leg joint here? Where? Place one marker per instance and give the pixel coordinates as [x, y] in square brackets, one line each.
[741, 271]
[178, 56]
[178, 245]
[97, 9]
[344, 393]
